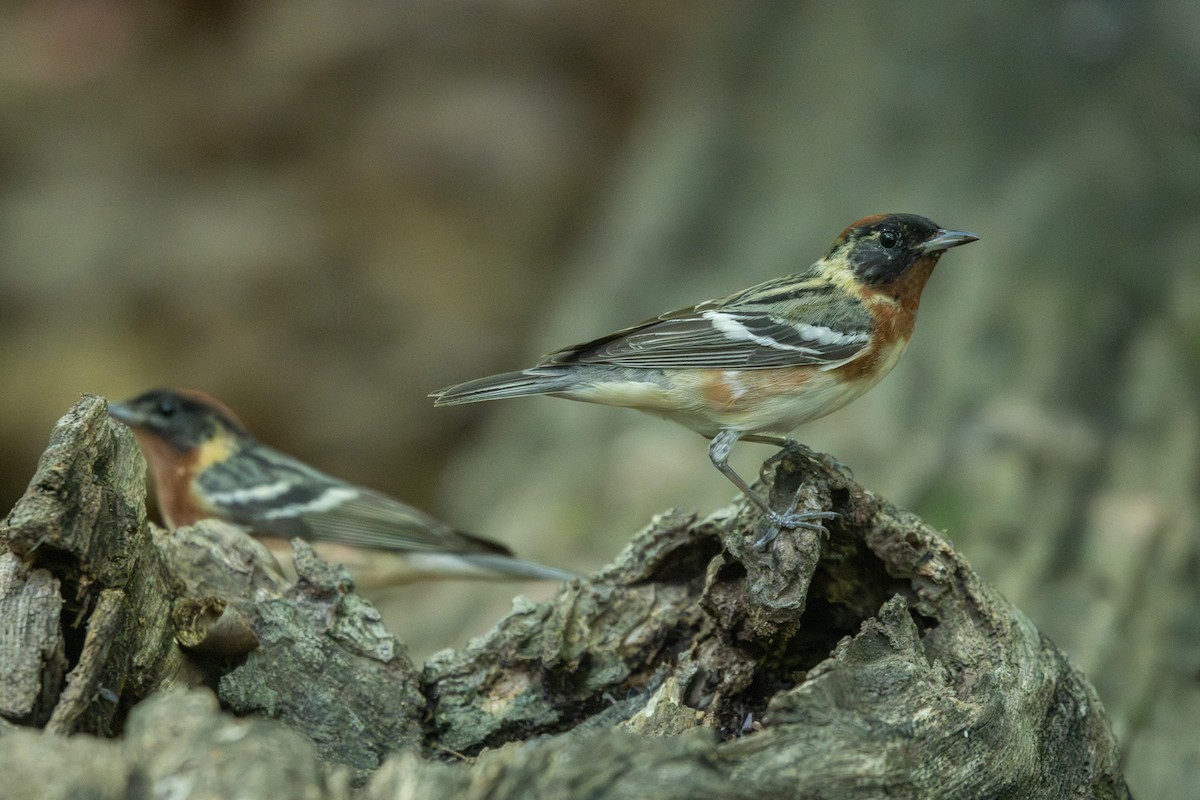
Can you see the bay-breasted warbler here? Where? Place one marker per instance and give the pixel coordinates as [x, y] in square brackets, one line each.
[206, 464]
[756, 364]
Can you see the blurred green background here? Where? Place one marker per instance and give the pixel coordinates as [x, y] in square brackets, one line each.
[320, 212]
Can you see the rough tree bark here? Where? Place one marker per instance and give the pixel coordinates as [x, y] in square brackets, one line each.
[696, 665]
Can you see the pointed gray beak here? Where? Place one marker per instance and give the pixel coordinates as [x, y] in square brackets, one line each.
[123, 413]
[945, 239]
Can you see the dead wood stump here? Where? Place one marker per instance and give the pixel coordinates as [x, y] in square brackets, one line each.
[696, 665]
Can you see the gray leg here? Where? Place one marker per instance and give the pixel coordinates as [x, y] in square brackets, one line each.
[785, 443]
[766, 438]
[718, 451]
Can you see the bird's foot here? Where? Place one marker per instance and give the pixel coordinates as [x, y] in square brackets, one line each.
[790, 447]
[793, 520]
[787, 447]
[836, 465]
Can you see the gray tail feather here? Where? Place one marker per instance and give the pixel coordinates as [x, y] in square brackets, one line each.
[509, 567]
[509, 384]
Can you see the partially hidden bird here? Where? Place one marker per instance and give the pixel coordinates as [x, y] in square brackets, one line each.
[206, 464]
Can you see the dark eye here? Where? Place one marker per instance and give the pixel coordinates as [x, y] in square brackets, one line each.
[889, 238]
[167, 407]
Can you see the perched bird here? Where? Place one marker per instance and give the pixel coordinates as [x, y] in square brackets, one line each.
[756, 364]
[207, 465]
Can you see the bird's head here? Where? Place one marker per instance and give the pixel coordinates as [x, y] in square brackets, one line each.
[880, 249]
[180, 418]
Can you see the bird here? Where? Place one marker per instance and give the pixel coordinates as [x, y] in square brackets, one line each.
[206, 464]
[755, 365]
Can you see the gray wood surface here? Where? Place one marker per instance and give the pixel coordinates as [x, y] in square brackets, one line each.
[698, 664]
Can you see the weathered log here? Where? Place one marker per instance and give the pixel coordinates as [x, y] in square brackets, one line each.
[698, 664]
[310, 654]
[177, 745]
[83, 520]
[33, 657]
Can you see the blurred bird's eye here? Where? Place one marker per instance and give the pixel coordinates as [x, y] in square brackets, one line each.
[166, 407]
[889, 238]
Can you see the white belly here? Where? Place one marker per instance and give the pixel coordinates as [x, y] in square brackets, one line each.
[754, 401]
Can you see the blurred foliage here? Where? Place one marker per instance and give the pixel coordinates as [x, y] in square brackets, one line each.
[310, 212]
[321, 214]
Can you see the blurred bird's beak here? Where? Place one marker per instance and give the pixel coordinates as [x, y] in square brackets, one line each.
[945, 239]
[123, 413]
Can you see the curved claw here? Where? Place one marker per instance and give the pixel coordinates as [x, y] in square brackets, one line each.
[792, 520]
[799, 521]
[839, 466]
[787, 446]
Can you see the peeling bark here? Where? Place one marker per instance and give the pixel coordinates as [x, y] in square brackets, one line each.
[696, 665]
[33, 658]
